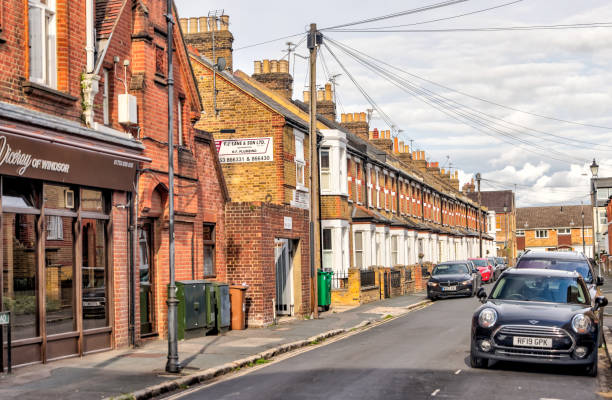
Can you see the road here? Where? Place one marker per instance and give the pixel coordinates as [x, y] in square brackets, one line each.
[421, 355]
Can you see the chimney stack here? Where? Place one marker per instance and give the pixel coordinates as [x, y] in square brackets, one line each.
[198, 33]
[325, 102]
[275, 75]
[357, 124]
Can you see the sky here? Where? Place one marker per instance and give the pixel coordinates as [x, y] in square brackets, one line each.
[563, 74]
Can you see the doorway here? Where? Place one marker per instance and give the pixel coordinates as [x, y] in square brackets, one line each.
[145, 268]
[283, 254]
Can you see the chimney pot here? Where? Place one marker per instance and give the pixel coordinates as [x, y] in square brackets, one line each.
[401, 146]
[203, 24]
[225, 22]
[184, 25]
[374, 133]
[273, 66]
[193, 25]
[443, 172]
[328, 92]
[266, 66]
[349, 117]
[320, 95]
[306, 96]
[257, 67]
[395, 145]
[342, 117]
[283, 66]
[212, 23]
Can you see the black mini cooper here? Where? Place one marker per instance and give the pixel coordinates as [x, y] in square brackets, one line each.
[538, 316]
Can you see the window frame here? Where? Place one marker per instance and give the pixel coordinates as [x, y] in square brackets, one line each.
[106, 98]
[327, 253]
[45, 51]
[212, 244]
[179, 121]
[358, 247]
[538, 234]
[325, 171]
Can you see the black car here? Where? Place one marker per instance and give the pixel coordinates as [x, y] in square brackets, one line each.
[538, 316]
[501, 261]
[497, 268]
[453, 278]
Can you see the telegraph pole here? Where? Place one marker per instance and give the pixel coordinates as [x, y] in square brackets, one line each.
[314, 40]
[478, 177]
[172, 365]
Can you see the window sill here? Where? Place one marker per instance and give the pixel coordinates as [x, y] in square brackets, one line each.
[160, 79]
[48, 93]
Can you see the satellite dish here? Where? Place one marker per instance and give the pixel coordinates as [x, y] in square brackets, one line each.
[221, 64]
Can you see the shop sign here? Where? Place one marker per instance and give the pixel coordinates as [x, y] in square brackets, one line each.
[41, 159]
[5, 318]
[245, 150]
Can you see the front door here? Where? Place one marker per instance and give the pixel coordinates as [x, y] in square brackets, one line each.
[284, 282]
[146, 279]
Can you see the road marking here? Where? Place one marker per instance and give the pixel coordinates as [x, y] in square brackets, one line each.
[457, 372]
[548, 398]
[435, 392]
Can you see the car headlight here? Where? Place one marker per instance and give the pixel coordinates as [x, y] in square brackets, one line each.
[487, 318]
[581, 323]
[432, 284]
[466, 282]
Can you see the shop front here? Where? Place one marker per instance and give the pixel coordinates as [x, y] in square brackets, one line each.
[64, 208]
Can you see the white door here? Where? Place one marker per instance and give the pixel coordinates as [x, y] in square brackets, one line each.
[284, 281]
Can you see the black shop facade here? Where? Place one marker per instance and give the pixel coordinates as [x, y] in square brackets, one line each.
[64, 225]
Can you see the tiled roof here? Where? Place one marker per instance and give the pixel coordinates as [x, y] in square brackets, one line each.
[553, 217]
[107, 12]
[494, 199]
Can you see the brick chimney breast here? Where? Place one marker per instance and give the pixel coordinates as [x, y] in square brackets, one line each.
[198, 32]
[356, 123]
[275, 75]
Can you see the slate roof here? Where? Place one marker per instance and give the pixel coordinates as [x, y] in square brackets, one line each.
[107, 12]
[494, 199]
[553, 217]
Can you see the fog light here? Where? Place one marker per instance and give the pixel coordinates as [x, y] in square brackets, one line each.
[580, 351]
[485, 345]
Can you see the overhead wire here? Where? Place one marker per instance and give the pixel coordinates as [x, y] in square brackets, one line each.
[419, 93]
[484, 29]
[397, 14]
[268, 41]
[447, 18]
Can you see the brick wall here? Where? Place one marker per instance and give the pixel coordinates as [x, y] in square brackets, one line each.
[250, 232]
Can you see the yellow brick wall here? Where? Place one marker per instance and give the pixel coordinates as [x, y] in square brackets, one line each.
[335, 207]
[577, 236]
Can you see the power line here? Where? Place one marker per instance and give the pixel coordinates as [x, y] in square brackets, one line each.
[268, 41]
[483, 100]
[397, 14]
[487, 29]
[434, 98]
[446, 18]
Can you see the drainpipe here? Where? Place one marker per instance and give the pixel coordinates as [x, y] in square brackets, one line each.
[132, 266]
[90, 35]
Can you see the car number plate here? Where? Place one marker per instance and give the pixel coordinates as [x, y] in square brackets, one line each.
[532, 341]
[449, 288]
[91, 304]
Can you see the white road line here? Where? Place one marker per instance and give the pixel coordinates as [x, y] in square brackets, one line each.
[435, 392]
[548, 398]
[457, 372]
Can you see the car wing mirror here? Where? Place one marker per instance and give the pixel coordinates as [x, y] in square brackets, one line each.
[599, 281]
[600, 302]
[482, 295]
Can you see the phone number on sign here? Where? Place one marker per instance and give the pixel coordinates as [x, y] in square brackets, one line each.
[244, 159]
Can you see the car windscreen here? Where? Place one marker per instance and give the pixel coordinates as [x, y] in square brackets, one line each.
[500, 260]
[450, 269]
[540, 288]
[480, 263]
[580, 266]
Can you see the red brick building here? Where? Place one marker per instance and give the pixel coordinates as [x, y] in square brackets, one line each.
[84, 204]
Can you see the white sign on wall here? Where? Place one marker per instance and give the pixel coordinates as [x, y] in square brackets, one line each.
[245, 150]
[288, 223]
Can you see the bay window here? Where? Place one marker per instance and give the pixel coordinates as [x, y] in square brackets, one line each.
[325, 170]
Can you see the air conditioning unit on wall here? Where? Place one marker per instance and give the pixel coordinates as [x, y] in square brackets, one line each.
[128, 109]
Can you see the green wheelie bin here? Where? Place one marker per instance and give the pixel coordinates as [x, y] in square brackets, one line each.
[324, 283]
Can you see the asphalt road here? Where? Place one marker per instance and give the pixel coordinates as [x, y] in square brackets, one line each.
[422, 355]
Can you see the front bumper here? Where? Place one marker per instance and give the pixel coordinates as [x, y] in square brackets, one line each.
[566, 360]
[462, 290]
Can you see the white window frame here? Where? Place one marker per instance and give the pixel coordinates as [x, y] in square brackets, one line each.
[377, 173]
[520, 233]
[539, 234]
[359, 249]
[300, 161]
[394, 250]
[325, 171]
[370, 187]
[564, 231]
[328, 253]
[43, 43]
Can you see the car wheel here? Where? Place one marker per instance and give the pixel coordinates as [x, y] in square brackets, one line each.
[591, 369]
[477, 362]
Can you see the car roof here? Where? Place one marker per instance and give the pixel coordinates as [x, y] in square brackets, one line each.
[453, 262]
[557, 255]
[477, 258]
[542, 272]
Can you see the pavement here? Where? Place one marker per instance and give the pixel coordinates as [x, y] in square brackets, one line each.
[138, 370]
[423, 354]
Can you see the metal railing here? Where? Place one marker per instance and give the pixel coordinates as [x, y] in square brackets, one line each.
[396, 279]
[408, 274]
[340, 280]
[368, 278]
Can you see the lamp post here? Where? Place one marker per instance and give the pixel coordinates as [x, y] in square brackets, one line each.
[506, 233]
[594, 170]
[583, 244]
